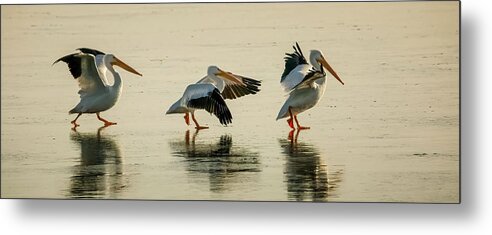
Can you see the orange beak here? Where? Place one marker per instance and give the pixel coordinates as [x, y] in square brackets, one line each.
[230, 76]
[124, 66]
[328, 67]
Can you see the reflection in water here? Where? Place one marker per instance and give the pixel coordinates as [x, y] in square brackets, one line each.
[307, 175]
[99, 172]
[222, 162]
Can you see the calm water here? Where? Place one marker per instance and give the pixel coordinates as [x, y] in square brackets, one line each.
[390, 134]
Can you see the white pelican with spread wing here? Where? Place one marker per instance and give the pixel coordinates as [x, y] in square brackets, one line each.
[89, 67]
[305, 83]
[210, 92]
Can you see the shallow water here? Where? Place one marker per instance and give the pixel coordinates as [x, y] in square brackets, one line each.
[389, 134]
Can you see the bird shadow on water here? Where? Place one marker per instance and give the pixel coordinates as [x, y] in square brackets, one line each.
[99, 172]
[307, 177]
[220, 160]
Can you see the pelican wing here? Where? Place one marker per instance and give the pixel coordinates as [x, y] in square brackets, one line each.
[219, 83]
[93, 52]
[101, 67]
[310, 77]
[83, 68]
[295, 77]
[233, 90]
[292, 61]
[208, 97]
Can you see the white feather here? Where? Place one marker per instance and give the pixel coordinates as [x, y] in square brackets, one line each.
[89, 81]
[295, 77]
[101, 69]
[214, 80]
[95, 96]
[193, 91]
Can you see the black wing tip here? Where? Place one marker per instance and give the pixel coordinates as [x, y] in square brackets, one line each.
[249, 86]
[73, 63]
[64, 58]
[292, 60]
[297, 53]
[223, 112]
[252, 85]
[298, 47]
[309, 76]
[289, 56]
[226, 119]
[214, 104]
[90, 51]
[252, 81]
[298, 50]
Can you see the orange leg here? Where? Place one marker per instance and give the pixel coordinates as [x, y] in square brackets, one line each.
[197, 126]
[299, 125]
[289, 121]
[106, 122]
[291, 135]
[74, 122]
[187, 118]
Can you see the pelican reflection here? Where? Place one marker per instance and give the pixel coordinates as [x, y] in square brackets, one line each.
[307, 177]
[99, 172]
[222, 162]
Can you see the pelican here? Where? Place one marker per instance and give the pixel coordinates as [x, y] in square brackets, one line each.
[89, 67]
[210, 92]
[306, 84]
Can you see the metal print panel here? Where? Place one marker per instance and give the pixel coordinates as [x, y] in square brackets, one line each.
[325, 102]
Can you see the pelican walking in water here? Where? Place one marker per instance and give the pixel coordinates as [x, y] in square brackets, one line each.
[210, 92]
[305, 83]
[89, 67]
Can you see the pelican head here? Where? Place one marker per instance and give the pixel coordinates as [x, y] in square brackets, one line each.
[214, 71]
[115, 61]
[317, 59]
